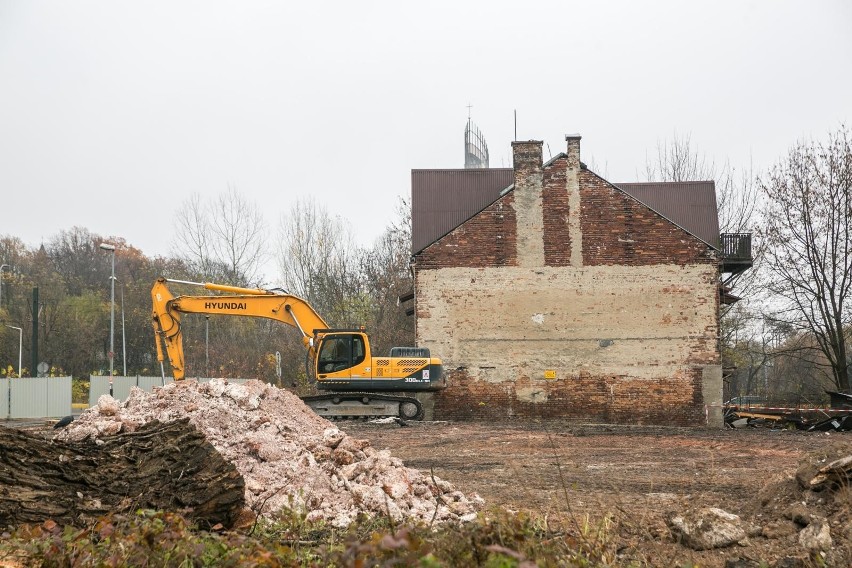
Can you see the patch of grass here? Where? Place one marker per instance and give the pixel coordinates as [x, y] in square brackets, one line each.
[153, 538]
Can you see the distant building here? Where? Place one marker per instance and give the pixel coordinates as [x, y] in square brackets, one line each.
[550, 292]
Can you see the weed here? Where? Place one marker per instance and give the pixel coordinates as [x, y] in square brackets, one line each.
[153, 538]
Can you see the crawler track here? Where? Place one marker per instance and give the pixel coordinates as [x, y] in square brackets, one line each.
[355, 405]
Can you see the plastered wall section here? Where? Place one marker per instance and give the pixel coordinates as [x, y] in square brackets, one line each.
[631, 344]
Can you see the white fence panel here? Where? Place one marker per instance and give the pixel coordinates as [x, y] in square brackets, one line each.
[148, 383]
[4, 397]
[39, 397]
[59, 396]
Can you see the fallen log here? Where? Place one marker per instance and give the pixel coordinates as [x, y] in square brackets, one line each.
[165, 466]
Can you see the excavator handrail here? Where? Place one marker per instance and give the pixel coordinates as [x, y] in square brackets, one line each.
[227, 288]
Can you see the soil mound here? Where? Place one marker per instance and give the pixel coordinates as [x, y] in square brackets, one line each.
[290, 458]
[815, 503]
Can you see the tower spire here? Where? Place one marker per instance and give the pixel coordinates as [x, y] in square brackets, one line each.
[475, 148]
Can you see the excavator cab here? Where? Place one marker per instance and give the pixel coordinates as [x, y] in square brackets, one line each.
[340, 353]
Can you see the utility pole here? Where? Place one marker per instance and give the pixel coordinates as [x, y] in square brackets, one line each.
[123, 342]
[111, 248]
[34, 349]
[2, 266]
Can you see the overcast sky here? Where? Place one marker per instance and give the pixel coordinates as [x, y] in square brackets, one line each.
[113, 113]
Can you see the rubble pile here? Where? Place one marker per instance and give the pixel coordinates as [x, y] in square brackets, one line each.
[290, 458]
[812, 507]
[807, 514]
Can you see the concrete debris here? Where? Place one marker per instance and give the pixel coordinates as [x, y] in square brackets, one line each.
[707, 528]
[816, 537]
[290, 458]
[838, 472]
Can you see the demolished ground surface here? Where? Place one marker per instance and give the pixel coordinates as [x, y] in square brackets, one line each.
[290, 458]
[621, 483]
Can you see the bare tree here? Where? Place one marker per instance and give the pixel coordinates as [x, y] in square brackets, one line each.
[223, 239]
[238, 236]
[192, 234]
[678, 161]
[387, 276]
[317, 259]
[737, 196]
[807, 221]
[736, 190]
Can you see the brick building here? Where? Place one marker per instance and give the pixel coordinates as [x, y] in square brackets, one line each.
[550, 292]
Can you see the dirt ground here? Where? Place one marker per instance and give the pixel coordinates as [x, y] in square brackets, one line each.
[634, 475]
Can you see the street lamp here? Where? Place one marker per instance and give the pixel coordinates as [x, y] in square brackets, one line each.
[111, 248]
[123, 342]
[20, 346]
[2, 266]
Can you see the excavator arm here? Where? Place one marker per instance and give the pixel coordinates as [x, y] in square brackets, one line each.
[251, 302]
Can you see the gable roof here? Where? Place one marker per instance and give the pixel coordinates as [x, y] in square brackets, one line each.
[691, 205]
[441, 200]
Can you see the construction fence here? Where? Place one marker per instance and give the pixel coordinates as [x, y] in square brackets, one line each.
[50, 397]
[35, 397]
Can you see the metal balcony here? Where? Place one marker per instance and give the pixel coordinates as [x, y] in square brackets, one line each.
[736, 252]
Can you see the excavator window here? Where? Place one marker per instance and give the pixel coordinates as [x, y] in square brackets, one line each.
[340, 352]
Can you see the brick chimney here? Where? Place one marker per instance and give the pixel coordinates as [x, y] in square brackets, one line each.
[572, 187]
[573, 150]
[528, 203]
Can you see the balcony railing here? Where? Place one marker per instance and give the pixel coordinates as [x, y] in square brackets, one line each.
[736, 251]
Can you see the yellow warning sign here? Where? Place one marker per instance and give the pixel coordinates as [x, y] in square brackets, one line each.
[550, 375]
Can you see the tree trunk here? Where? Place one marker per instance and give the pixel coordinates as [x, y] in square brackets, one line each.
[160, 466]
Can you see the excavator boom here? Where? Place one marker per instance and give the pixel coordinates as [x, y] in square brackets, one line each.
[281, 307]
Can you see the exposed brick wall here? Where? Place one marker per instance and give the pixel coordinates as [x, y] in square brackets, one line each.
[602, 398]
[617, 229]
[557, 238]
[488, 239]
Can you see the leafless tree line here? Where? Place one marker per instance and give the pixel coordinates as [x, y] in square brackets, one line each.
[222, 239]
[789, 337]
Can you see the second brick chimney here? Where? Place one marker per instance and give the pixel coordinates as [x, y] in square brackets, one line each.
[572, 186]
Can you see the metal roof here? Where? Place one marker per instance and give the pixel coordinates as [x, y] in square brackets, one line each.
[690, 205]
[441, 200]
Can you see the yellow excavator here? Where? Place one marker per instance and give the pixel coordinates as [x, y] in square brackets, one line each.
[340, 360]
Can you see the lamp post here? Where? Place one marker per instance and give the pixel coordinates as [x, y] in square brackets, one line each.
[2, 266]
[20, 346]
[111, 249]
[123, 342]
